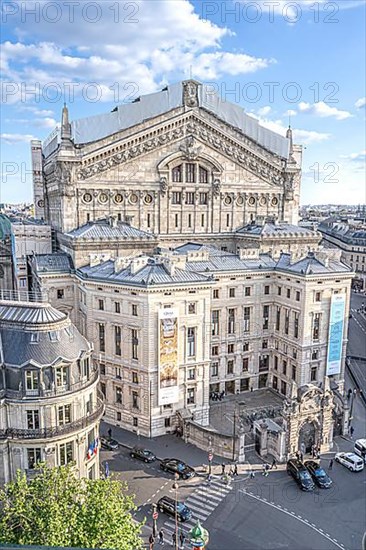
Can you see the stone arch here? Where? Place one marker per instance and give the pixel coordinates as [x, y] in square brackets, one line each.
[165, 164]
[308, 435]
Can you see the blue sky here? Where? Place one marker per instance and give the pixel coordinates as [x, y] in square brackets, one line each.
[277, 58]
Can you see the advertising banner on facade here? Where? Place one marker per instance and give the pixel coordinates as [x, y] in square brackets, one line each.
[168, 356]
[335, 339]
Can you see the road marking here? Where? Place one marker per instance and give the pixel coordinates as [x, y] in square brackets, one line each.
[291, 514]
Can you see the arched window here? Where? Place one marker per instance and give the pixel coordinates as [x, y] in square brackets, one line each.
[190, 172]
[177, 174]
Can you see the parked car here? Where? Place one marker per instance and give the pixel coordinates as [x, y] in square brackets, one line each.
[108, 444]
[350, 461]
[176, 466]
[360, 448]
[142, 454]
[167, 505]
[297, 470]
[318, 474]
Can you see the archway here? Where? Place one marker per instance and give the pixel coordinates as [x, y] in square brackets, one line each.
[307, 437]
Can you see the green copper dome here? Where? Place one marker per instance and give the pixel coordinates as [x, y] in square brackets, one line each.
[5, 227]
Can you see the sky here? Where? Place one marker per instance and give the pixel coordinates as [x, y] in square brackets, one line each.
[283, 61]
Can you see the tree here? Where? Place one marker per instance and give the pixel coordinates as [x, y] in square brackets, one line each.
[56, 508]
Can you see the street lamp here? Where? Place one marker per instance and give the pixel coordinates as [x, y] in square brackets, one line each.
[155, 517]
[175, 487]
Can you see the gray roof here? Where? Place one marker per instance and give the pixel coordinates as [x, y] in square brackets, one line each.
[310, 265]
[38, 334]
[59, 262]
[154, 272]
[102, 229]
[343, 231]
[198, 247]
[125, 116]
[231, 262]
[276, 230]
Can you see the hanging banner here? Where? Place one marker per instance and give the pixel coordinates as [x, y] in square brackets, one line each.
[335, 339]
[168, 356]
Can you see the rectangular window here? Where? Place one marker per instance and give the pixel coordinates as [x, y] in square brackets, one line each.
[314, 354]
[266, 289]
[202, 220]
[176, 197]
[283, 387]
[33, 420]
[264, 344]
[34, 456]
[246, 319]
[101, 329]
[288, 293]
[297, 296]
[203, 198]
[31, 381]
[117, 340]
[296, 325]
[231, 292]
[64, 415]
[214, 369]
[284, 367]
[66, 453]
[245, 364]
[176, 220]
[227, 220]
[230, 348]
[215, 316]
[247, 291]
[192, 308]
[191, 342]
[117, 307]
[135, 421]
[318, 296]
[103, 389]
[263, 362]
[278, 318]
[60, 294]
[275, 383]
[119, 396]
[189, 220]
[134, 310]
[177, 174]
[134, 343]
[275, 366]
[203, 175]
[148, 220]
[191, 374]
[279, 291]
[265, 317]
[215, 350]
[135, 377]
[246, 346]
[102, 368]
[293, 369]
[190, 396]
[118, 373]
[101, 305]
[118, 416]
[167, 422]
[313, 374]
[216, 294]
[230, 367]
[190, 172]
[287, 320]
[231, 321]
[61, 376]
[189, 197]
[316, 327]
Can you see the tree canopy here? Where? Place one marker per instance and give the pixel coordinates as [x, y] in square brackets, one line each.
[56, 508]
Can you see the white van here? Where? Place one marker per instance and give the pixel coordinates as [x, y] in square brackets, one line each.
[360, 448]
[350, 461]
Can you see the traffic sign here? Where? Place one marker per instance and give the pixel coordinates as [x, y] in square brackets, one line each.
[210, 457]
[155, 515]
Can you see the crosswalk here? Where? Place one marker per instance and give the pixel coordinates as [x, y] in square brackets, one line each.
[202, 503]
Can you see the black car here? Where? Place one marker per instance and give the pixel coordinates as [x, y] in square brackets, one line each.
[297, 470]
[177, 467]
[167, 505]
[142, 454]
[320, 477]
[108, 444]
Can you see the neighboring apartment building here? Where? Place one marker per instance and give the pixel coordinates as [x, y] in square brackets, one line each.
[350, 238]
[49, 404]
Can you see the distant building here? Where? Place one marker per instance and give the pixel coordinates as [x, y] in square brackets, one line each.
[7, 255]
[49, 404]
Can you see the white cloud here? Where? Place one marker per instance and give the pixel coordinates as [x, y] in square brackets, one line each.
[263, 111]
[356, 157]
[323, 110]
[360, 103]
[301, 137]
[16, 138]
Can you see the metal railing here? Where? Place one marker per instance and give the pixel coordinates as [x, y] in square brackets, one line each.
[55, 431]
[23, 296]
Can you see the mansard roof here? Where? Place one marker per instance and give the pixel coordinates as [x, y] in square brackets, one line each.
[58, 262]
[155, 271]
[94, 128]
[104, 229]
[311, 265]
[276, 230]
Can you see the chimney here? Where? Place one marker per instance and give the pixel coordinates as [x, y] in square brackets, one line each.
[113, 221]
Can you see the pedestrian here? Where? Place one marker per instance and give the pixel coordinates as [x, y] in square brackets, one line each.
[252, 474]
[161, 536]
[174, 538]
[209, 479]
[235, 473]
[110, 433]
[222, 469]
[182, 539]
[264, 472]
[151, 542]
[302, 457]
[274, 464]
[331, 464]
[351, 431]
[297, 455]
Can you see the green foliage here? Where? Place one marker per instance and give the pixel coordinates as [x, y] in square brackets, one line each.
[58, 509]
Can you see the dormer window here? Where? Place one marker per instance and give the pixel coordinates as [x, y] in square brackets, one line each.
[53, 334]
[34, 337]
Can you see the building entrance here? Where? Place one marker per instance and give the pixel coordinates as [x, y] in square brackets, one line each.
[307, 438]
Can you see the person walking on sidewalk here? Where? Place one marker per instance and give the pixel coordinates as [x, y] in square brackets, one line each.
[331, 464]
[351, 431]
[174, 539]
[182, 539]
[222, 469]
[235, 472]
[265, 470]
[252, 474]
[110, 433]
[161, 536]
[151, 542]
[274, 464]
